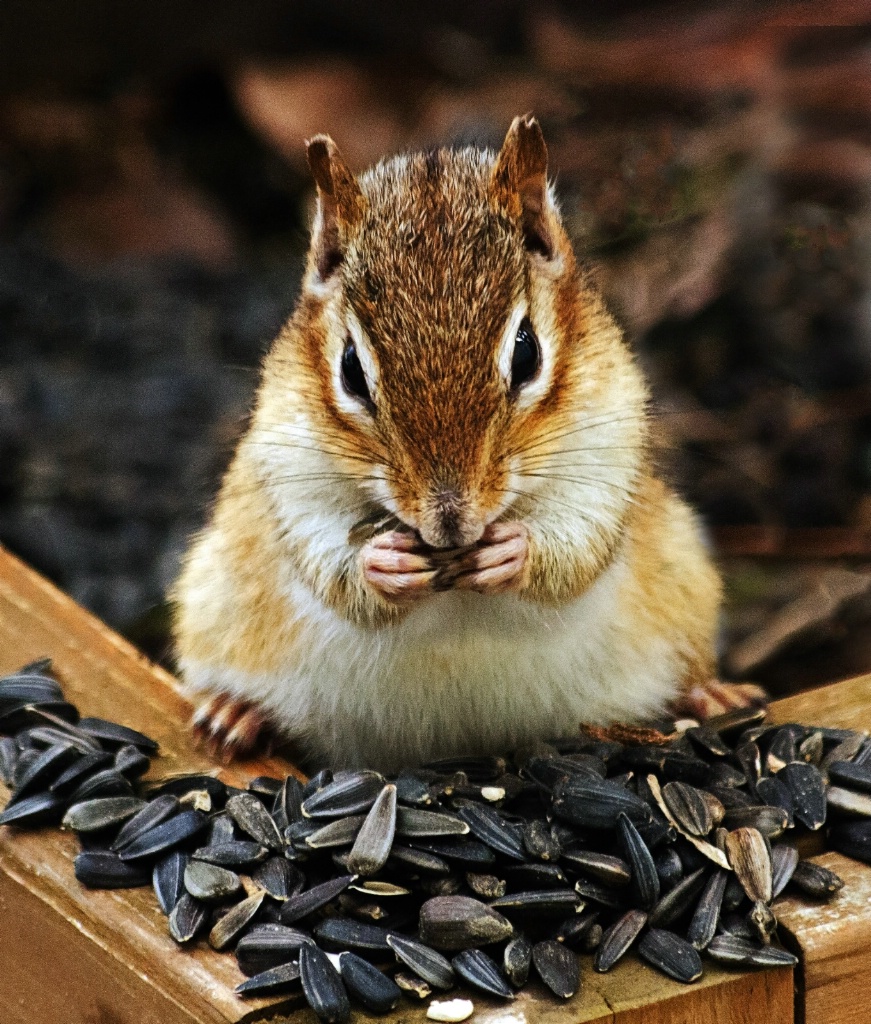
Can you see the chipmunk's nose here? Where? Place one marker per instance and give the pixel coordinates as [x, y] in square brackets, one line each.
[448, 522]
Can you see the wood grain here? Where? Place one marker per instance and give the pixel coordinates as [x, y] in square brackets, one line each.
[85, 957]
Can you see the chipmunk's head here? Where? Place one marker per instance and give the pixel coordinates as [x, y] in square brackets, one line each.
[443, 318]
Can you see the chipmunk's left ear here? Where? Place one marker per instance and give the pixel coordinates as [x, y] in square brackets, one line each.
[340, 204]
[518, 184]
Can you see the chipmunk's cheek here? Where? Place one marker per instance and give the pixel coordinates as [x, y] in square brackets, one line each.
[500, 563]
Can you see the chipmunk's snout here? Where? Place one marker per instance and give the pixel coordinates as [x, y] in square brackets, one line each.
[448, 520]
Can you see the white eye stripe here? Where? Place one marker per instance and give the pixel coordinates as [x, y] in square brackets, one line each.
[347, 328]
[506, 345]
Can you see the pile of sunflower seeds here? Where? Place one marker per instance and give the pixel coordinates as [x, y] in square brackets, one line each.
[355, 886]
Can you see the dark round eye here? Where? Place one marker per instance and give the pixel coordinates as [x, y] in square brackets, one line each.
[526, 360]
[353, 378]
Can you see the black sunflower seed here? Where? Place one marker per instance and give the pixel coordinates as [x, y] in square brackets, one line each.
[305, 903]
[427, 963]
[412, 790]
[708, 741]
[730, 949]
[770, 821]
[111, 732]
[558, 967]
[279, 878]
[287, 805]
[70, 779]
[774, 792]
[597, 803]
[165, 836]
[43, 770]
[852, 838]
[603, 895]
[341, 832]
[369, 986]
[254, 820]
[645, 881]
[689, 808]
[851, 775]
[703, 925]
[517, 959]
[544, 903]
[488, 825]
[230, 926]
[34, 811]
[535, 876]
[481, 972]
[808, 790]
[268, 946]
[237, 853]
[458, 849]
[749, 858]
[617, 939]
[412, 822]
[167, 879]
[210, 883]
[180, 785]
[94, 815]
[671, 954]
[323, 986]
[372, 846]
[352, 793]
[846, 803]
[341, 933]
[416, 859]
[107, 782]
[460, 922]
[101, 869]
[574, 931]
[668, 867]
[783, 863]
[272, 982]
[153, 813]
[606, 868]
[130, 761]
[540, 842]
[815, 880]
[188, 918]
[678, 900]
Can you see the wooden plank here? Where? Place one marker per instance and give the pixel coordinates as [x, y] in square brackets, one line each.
[115, 943]
[833, 940]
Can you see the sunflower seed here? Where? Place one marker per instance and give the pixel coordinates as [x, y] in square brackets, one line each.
[689, 807]
[231, 924]
[341, 832]
[237, 853]
[269, 946]
[678, 900]
[852, 838]
[168, 879]
[180, 785]
[597, 803]
[111, 732]
[94, 815]
[188, 918]
[372, 846]
[100, 869]
[847, 803]
[323, 986]
[130, 761]
[428, 964]
[732, 722]
[516, 960]
[775, 792]
[851, 775]
[703, 925]
[153, 813]
[210, 883]
[816, 880]
[541, 904]
[617, 939]
[645, 881]
[279, 878]
[371, 987]
[668, 867]
[783, 862]
[808, 790]
[845, 750]
[340, 933]
[450, 1010]
[770, 821]
[558, 967]
[671, 954]
[33, 811]
[481, 972]
[305, 903]
[489, 887]
[274, 981]
[613, 871]
[103, 783]
[730, 949]
[540, 842]
[459, 922]
[574, 931]
[412, 822]
[254, 820]
[416, 987]
[43, 770]
[418, 860]
[781, 749]
[163, 837]
[352, 793]
[763, 921]
[468, 853]
[412, 790]
[750, 860]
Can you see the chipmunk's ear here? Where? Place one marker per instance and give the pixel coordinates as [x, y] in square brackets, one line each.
[518, 183]
[340, 203]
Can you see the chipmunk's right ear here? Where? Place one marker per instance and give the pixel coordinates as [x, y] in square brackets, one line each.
[518, 184]
[340, 203]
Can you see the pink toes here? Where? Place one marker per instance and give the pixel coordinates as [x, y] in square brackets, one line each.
[228, 727]
[705, 700]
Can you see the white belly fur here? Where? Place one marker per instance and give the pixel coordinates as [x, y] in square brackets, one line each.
[462, 673]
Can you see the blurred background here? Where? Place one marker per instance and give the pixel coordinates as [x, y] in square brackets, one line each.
[714, 165]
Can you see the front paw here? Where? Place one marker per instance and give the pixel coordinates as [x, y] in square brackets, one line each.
[712, 697]
[229, 727]
[397, 567]
[498, 564]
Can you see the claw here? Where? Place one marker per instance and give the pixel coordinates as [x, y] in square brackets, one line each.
[705, 700]
[228, 727]
[396, 566]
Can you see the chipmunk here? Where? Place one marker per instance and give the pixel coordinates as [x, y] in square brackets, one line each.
[449, 370]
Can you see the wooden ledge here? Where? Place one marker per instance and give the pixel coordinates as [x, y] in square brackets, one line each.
[82, 957]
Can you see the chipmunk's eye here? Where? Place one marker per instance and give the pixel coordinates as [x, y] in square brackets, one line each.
[353, 378]
[526, 360]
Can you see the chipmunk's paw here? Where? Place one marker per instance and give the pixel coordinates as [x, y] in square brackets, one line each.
[228, 728]
[396, 566]
[498, 562]
[705, 700]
